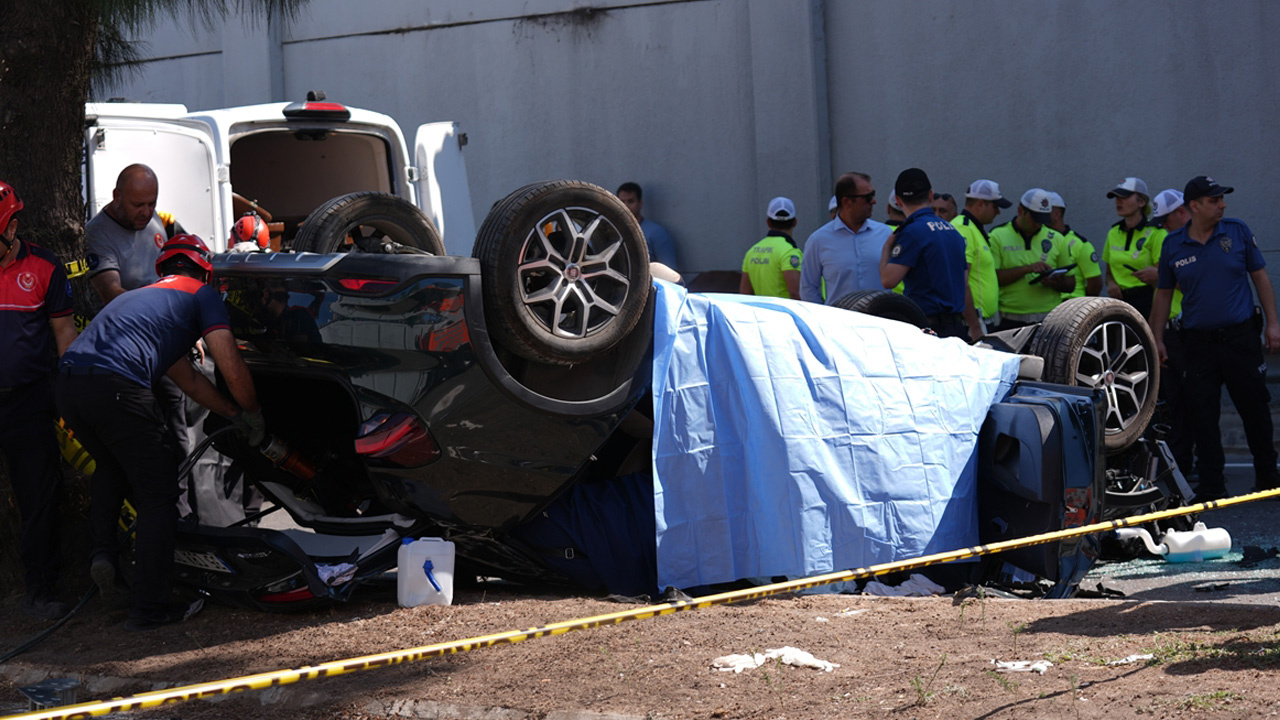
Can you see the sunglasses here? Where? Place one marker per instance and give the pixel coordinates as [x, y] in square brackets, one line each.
[869, 196]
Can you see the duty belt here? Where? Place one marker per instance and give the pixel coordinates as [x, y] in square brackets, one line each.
[1222, 333]
[944, 317]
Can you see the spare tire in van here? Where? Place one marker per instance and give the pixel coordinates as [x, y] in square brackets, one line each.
[364, 222]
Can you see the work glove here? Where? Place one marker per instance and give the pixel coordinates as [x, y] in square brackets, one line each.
[251, 425]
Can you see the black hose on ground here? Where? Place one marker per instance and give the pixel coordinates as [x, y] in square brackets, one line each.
[183, 469]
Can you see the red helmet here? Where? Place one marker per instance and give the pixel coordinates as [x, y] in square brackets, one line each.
[9, 205]
[250, 228]
[188, 246]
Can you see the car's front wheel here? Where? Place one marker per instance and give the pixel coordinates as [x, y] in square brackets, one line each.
[1104, 343]
[566, 271]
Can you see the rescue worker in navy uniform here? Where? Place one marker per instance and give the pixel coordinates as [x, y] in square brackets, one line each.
[927, 255]
[1211, 260]
[35, 317]
[104, 392]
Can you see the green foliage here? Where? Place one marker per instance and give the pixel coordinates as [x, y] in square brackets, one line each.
[1015, 630]
[924, 693]
[1238, 649]
[1209, 701]
[1004, 682]
[117, 55]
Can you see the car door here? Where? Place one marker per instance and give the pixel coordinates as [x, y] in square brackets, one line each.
[443, 192]
[180, 151]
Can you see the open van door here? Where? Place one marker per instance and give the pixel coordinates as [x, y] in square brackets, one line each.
[443, 192]
[180, 151]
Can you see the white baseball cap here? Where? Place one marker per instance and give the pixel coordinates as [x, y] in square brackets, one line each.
[832, 205]
[1037, 202]
[781, 208]
[1127, 187]
[987, 190]
[1055, 200]
[1165, 202]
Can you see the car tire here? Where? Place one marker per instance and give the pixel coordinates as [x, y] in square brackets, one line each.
[884, 304]
[370, 216]
[560, 297]
[1104, 343]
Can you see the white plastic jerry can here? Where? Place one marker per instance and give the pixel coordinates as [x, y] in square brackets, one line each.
[425, 572]
[1199, 543]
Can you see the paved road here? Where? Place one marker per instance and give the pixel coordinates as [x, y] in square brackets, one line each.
[1249, 524]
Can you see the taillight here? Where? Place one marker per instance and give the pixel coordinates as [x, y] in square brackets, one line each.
[317, 110]
[396, 439]
[366, 286]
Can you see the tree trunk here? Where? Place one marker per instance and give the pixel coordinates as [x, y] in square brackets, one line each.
[46, 51]
[45, 58]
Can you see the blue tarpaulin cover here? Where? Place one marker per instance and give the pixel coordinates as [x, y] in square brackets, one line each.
[793, 438]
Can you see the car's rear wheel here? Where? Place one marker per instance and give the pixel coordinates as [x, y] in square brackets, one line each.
[1104, 343]
[368, 222]
[566, 271]
[884, 304]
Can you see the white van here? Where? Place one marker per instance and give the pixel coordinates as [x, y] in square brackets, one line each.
[285, 158]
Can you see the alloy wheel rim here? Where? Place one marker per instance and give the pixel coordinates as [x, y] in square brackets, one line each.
[1114, 359]
[573, 272]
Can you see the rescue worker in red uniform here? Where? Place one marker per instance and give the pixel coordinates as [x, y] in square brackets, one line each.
[35, 318]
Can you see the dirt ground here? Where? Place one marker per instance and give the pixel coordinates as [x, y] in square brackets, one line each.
[897, 657]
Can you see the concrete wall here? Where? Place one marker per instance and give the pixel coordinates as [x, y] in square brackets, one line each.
[715, 106]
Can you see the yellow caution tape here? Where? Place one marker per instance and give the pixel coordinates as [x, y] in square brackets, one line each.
[262, 681]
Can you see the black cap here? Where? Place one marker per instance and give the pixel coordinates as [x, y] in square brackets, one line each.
[912, 185]
[1202, 186]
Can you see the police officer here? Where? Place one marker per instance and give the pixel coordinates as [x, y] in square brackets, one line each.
[772, 266]
[104, 392]
[926, 254]
[982, 203]
[1170, 212]
[1026, 252]
[35, 317]
[1127, 249]
[894, 215]
[1212, 260]
[944, 206]
[1088, 274]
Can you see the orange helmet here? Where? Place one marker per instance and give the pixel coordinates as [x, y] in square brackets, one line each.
[250, 228]
[188, 246]
[9, 205]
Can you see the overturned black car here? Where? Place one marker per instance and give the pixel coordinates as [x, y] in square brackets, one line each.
[410, 393]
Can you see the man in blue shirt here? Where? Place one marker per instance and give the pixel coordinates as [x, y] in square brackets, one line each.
[1211, 260]
[104, 391]
[662, 249]
[844, 254]
[926, 254]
